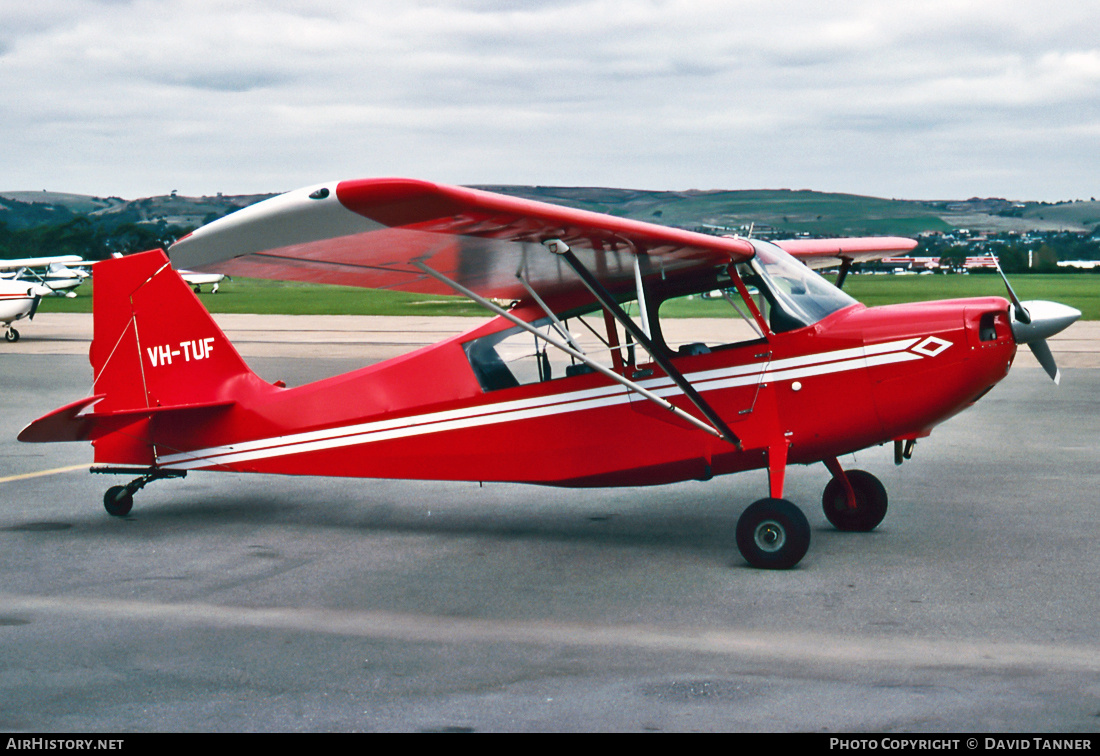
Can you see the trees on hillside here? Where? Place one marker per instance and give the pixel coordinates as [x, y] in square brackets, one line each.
[81, 236]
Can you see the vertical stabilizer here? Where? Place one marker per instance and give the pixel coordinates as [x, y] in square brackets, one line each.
[155, 344]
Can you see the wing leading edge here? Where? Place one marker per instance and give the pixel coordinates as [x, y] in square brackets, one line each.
[370, 232]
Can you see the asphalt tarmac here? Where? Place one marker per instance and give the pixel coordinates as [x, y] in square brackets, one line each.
[265, 603]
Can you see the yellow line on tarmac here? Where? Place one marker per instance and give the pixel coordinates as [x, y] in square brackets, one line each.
[41, 473]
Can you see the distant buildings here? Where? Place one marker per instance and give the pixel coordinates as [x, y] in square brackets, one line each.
[920, 264]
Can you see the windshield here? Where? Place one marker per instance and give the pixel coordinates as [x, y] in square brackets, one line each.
[796, 296]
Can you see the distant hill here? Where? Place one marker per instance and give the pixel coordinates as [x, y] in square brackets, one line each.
[28, 209]
[779, 211]
[790, 212]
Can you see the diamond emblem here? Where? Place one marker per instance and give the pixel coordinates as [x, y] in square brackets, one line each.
[931, 346]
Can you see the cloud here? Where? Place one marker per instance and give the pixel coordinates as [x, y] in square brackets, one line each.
[902, 98]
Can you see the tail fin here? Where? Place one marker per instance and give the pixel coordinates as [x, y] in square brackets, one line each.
[155, 345]
[158, 359]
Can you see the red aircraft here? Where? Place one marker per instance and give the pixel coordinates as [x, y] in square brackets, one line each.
[574, 383]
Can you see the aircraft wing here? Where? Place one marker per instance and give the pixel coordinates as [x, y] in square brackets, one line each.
[40, 262]
[369, 232]
[826, 253]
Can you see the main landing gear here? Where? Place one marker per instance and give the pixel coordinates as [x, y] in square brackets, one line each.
[119, 500]
[773, 534]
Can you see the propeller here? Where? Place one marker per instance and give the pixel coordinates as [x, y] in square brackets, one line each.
[36, 292]
[1034, 321]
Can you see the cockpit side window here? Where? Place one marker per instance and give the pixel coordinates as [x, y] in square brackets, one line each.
[784, 293]
[515, 357]
[728, 320]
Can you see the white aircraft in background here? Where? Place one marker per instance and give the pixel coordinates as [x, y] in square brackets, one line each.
[24, 281]
[197, 280]
[18, 300]
[53, 273]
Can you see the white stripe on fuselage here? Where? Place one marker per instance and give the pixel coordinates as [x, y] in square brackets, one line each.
[792, 368]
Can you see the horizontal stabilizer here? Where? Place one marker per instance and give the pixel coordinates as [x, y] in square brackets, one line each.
[71, 423]
[63, 424]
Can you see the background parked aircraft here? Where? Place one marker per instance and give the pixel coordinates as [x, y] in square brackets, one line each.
[198, 280]
[59, 274]
[18, 300]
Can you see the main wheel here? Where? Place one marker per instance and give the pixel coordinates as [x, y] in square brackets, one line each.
[118, 501]
[773, 534]
[12, 335]
[871, 502]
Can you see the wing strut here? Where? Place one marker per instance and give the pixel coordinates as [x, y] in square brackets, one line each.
[568, 350]
[603, 296]
[845, 266]
[558, 325]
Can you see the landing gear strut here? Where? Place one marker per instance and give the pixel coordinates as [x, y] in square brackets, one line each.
[773, 534]
[119, 500]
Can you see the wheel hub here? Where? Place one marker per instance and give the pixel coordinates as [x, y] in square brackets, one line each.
[769, 536]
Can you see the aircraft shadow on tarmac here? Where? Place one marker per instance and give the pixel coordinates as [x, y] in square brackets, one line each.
[697, 517]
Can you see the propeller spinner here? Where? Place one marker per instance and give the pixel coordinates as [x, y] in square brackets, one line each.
[1034, 321]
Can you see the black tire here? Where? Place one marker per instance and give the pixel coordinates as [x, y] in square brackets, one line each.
[871, 502]
[773, 534]
[12, 335]
[118, 501]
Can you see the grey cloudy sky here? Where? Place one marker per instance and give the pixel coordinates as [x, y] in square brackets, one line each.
[925, 99]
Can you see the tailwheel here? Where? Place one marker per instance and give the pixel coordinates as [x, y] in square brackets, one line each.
[870, 501]
[118, 501]
[773, 534]
[12, 335]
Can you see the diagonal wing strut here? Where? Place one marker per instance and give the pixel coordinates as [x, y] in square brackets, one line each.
[633, 386]
[603, 296]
